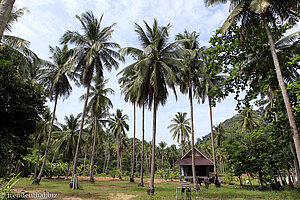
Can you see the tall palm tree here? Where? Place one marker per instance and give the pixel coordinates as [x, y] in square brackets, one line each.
[181, 129]
[118, 127]
[249, 12]
[56, 80]
[6, 7]
[127, 81]
[249, 121]
[98, 105]
[189, 72]
[93, 51]
[162, 145]
[210, 80]
[67, 137]
[40, 134]
[28, 60]
[220, 137]
[155, 71]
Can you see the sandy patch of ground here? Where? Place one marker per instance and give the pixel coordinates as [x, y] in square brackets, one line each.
[109, 179]
[121, 196]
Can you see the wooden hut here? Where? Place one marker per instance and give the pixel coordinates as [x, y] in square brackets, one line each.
[203, 164]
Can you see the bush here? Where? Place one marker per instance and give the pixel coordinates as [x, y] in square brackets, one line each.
[228, 178]
[6, 187]
[113, 173]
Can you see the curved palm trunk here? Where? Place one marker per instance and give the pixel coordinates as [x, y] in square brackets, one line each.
[68, 171]
[38, 178]
[295, 163]
[37, 160]
[92, 180]
[182, 144]
[5, 10]
[196, 186]
[74, 181]
[212, 136]
[118, 157]
[150, 189]
[133, 148]
[84, 162]
[141, 183]
[286, 99]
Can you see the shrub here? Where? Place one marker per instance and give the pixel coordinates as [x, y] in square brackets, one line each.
[6, 187]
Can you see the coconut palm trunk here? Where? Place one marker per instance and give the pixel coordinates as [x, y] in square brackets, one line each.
[141, 183]
[68, 171]
[133, 147]
[196, 187]
[84, 162]
[287, 103]
[37, 159]
[296, 164]
[292, 149]
[5, 10]
[118, 156]
[39, 177]
[212, 136]
[105, 158]
[92, 180]
[74, 181]
[182, 144]
[108, 159]
[150, 189]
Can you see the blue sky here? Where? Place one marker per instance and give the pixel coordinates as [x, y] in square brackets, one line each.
[49, 19]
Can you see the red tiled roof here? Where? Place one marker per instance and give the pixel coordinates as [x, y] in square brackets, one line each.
[198, 161]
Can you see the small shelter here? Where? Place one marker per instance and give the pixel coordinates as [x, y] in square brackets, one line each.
[203, 166]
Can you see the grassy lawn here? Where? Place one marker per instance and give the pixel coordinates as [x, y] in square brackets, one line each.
[116, 189]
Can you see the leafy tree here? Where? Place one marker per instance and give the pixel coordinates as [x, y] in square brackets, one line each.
[181, 129]
[250, 12]
[20, 106]
[93, 51]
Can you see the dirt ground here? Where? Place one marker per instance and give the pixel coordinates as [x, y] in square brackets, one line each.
[107, 179]
[118, 196]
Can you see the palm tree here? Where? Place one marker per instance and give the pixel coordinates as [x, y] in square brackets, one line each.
[67, 137]
[249, 12]
[98, 105]
[189, 74]
[181, 128]
[249, 120]
[41, 133]
[56, 80]
[93, 51]
[127, 82]
[6, 7]
[28, 60]
[220, 137]
[162, 146]
[155, 71]
[209, 81]
[118, 127]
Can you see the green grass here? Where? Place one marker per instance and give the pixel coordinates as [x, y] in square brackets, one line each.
[108, 190]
